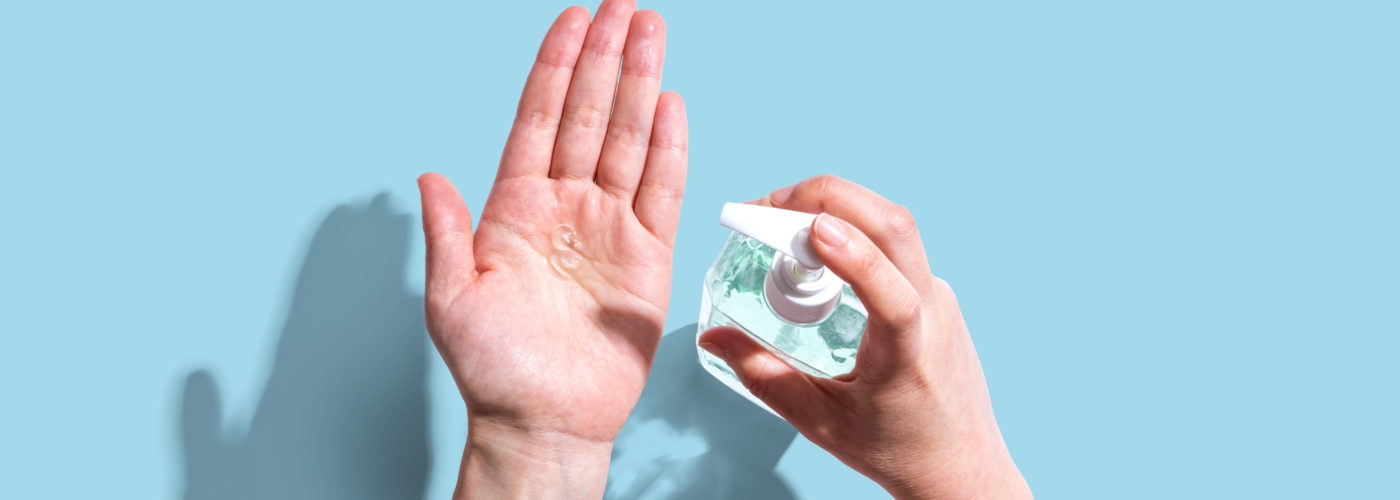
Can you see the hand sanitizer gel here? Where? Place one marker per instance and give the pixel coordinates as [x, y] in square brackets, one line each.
[769, 283]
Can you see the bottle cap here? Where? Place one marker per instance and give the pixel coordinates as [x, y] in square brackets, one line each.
[798, 287]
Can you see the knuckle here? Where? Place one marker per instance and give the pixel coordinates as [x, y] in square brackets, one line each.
[824, 432]
[670, 142]
[942, 290]
[558, 57]
[941, 285]
[586, 116]
[644, 65]
[604, 47]
[900, 222]
[824, 184]
[756, 386]
[868, 263]
[628, 135]
[536, 118]
[908, 311]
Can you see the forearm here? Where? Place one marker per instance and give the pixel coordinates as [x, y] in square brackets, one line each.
[505, 462]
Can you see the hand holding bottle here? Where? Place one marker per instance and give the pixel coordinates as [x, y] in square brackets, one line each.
[914, 413]
[549, 314]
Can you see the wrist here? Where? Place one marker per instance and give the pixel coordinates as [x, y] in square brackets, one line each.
[973, 474]
[506, 461]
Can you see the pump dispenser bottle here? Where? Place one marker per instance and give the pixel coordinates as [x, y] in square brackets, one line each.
[769, 283]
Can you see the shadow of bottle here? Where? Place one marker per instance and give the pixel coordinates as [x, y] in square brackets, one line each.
[692, 438]
[344, 412]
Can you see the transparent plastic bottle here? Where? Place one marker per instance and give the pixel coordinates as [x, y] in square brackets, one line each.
[819, 339]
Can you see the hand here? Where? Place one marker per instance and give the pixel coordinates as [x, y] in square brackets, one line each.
[914, 414]
[548, 316]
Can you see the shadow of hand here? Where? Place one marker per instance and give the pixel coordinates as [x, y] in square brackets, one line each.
[692, 438]
[344, 412]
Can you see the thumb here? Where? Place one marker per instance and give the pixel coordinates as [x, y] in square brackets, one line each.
[788, 391]
[447, 227]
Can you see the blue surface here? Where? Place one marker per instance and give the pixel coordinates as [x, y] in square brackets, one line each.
[1171, 225]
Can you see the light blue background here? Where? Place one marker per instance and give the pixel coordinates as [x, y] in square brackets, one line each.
[1171, 225]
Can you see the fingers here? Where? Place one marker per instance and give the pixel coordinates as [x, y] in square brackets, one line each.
[658, 203]
[892, 302]
[447, 227]
[531, 142]
[890, 226]
[588, 102]
[625, 146]
[783, 388]
[202, 419]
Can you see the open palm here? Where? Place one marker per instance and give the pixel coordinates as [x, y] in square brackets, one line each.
[549, 314]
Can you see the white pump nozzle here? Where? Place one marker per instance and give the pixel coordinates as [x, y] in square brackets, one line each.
[785, 230]
[797, 287]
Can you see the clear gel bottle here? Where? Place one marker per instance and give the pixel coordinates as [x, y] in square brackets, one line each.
[769, 283]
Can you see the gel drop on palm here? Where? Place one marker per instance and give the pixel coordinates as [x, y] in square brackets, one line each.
[769, 283]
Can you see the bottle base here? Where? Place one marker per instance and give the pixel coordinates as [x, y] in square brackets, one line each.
[721, 371]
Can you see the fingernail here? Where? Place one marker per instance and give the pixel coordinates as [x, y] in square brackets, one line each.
[830, 231]
[713, 348]
[781, 195]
